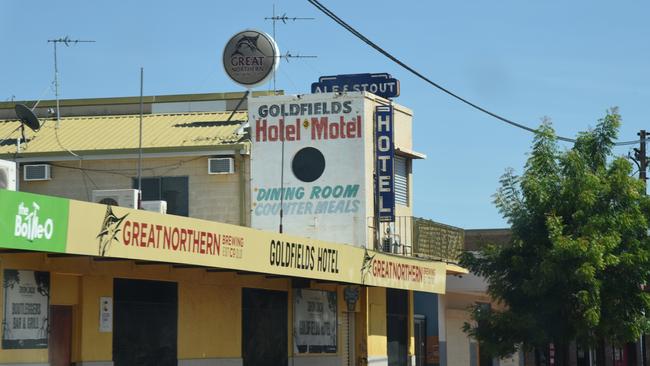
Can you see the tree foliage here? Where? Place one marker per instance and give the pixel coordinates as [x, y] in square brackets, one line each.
[580, 252]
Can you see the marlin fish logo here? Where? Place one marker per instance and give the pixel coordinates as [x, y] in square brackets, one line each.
[248, 42]
[366, 265]
[110, 229]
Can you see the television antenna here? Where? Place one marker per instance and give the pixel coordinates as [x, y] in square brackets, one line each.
[67, 42]
[284, 18]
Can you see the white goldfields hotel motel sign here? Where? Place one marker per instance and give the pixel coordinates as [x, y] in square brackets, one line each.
[322, 188]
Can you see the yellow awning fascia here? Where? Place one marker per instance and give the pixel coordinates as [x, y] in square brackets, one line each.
[454, 269]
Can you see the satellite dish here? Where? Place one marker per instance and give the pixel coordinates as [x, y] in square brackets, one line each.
[27, 117]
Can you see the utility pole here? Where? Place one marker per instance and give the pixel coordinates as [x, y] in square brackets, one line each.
[642, 160]
[640, 155]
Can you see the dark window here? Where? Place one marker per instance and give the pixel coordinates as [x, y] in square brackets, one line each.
[397, 326]
[174, 190]
[264, 327]
[145, 323]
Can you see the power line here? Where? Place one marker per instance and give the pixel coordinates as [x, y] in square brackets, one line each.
[367, 41]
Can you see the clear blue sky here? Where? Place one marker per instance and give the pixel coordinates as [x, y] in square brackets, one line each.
[568, 60]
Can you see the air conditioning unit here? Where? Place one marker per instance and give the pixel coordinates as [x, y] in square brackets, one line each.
[221, 166]
[154, 206]
[116, 197]
[34, 172]
[7, 175]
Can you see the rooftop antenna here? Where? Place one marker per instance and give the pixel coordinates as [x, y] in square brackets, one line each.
[140, 139]
[66, 41]
[284, 19]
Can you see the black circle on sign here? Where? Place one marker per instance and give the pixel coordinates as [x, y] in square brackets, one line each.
[308, 164]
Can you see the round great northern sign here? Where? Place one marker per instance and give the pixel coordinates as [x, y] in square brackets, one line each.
[250, 58]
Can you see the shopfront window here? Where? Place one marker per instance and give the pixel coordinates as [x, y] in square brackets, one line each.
[174, 190]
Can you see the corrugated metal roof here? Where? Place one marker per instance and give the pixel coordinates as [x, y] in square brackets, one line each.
[115, 133]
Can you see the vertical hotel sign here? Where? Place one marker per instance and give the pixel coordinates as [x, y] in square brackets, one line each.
[384, 163]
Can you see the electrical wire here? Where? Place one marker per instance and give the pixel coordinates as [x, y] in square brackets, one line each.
[632, 142]
[367, 41]
[83, 179]
[58, 141]
[92, 170]
[118, 171]
[50, 87]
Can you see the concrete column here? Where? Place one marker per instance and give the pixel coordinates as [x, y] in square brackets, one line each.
[442, 329]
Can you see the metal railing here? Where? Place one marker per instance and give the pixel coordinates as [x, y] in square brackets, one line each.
[413, 236]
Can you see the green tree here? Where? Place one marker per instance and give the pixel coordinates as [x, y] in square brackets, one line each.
[579, 255]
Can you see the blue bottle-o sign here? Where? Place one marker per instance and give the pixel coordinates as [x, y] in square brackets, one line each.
[381, 84]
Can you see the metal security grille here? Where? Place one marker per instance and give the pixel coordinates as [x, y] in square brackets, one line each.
[401, 181]
[344, 329]
[437, 241]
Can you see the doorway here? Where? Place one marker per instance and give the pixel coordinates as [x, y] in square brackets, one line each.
[264, 327]
[420, 333]
[60, 342]
[397, 326]
[145, 323]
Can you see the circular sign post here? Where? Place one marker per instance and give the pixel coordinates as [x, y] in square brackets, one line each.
[250, 58]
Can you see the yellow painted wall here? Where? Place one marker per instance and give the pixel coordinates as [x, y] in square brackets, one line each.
[377, 332]
[361, 327]
[210, 304]
[209, 309]
[411, 326]
[95, 346]
[377, 341]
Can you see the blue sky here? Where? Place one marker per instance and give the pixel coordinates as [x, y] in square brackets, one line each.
[568, 60]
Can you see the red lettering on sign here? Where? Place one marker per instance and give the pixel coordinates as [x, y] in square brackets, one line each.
[125, 237]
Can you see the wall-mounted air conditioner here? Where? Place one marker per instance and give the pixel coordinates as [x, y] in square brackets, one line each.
[116, 197]
[221, 165]
[34, 172]
[154, 206]
[7, 175]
